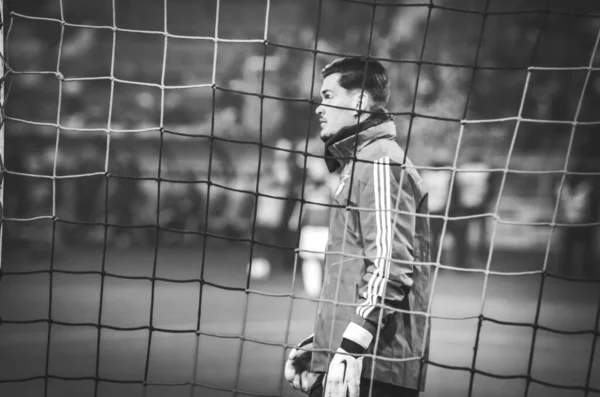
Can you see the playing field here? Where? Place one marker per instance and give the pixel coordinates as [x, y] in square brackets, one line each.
[226, 362]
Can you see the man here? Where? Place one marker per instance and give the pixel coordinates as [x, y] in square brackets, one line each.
[578, 211]
[370, 335]
[438, 180]
[275, 182]
[312, 217]
[475, 191]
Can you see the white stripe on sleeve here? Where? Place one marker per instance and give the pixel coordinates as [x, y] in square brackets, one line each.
[383, 237]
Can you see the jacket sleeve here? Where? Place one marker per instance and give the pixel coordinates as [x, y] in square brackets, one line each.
[387, 216]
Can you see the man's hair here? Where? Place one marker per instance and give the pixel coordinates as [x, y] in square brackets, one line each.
[358, 73]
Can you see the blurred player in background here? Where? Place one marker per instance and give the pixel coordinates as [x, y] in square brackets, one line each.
[369, 338]
[438, 180]
[579, 205]
[270, 210]
[474, 195]
[319, 185]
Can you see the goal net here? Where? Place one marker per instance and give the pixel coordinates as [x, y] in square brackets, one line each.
[165, 196]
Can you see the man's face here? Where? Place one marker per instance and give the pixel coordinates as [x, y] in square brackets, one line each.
[337, 107]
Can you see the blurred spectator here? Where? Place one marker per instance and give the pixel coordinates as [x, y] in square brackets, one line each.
[579, 204]
[474, 198]
[438, 180]
[79, 42]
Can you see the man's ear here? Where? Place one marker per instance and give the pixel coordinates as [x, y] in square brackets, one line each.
[362, 102]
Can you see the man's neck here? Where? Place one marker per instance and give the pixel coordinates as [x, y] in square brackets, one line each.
[345, 142]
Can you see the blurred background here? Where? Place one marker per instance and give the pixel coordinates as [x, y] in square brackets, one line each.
[206, 123]
[163, 145]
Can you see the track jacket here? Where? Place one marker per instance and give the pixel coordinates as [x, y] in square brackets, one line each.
[376, 288]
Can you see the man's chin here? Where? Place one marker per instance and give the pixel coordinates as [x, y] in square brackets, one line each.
[325, 135]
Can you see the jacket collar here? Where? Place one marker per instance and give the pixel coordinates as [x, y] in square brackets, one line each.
[340, 148]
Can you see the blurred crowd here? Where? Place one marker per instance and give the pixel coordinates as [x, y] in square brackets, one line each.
[283, 207]
[272, 202]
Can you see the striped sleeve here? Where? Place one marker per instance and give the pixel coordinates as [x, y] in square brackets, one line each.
[382, 239]
[387, 209]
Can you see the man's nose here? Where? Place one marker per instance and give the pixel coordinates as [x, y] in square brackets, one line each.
[319, 110]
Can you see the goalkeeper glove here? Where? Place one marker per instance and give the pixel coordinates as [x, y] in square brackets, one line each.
[343, 377]
[297, 367]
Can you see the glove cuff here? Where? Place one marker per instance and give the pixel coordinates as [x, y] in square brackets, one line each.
[356, 339]
[306, 341]
[352, 347]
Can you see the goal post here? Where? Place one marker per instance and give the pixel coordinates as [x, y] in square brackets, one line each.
[168, 195]
[2, 68]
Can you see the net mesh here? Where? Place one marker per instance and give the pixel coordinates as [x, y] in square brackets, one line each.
[413, 117]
